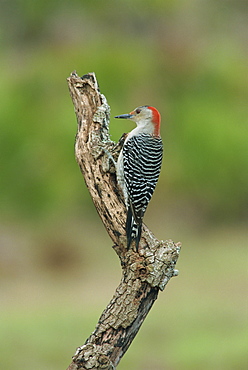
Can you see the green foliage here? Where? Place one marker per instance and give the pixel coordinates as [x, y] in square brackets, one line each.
[203, 109]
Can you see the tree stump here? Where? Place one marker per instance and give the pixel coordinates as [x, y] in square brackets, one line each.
[143, 273]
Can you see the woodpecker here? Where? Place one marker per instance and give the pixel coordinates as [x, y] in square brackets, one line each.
[138, 167]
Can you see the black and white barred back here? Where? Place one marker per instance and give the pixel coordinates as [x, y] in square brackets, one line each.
[142, 159]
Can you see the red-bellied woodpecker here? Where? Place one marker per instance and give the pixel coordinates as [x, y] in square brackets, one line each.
[138, 167]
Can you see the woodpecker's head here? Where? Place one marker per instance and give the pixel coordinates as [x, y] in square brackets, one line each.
[146, 118]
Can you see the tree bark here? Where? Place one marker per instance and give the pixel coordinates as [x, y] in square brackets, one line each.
[143, 273]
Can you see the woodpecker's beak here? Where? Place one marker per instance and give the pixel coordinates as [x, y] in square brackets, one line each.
[126, 116]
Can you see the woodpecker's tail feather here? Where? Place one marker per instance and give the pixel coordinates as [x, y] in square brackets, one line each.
[133, 230]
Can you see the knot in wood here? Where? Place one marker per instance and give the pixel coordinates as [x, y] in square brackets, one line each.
[160, 263]
[104, 362]
[142, 271]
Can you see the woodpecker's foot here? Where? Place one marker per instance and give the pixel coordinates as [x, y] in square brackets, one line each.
[118, 146]
[108, 162]
[111, 154]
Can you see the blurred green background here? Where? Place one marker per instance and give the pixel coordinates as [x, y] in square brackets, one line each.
[57, 268]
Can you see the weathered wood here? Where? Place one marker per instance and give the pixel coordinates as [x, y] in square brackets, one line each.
[144, 273]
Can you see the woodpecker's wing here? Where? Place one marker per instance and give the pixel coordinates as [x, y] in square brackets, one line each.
[142, 159]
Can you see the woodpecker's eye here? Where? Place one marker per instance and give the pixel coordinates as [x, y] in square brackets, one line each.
[138, 111]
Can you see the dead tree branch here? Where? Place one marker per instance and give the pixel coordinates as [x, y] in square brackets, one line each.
[144, 273]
